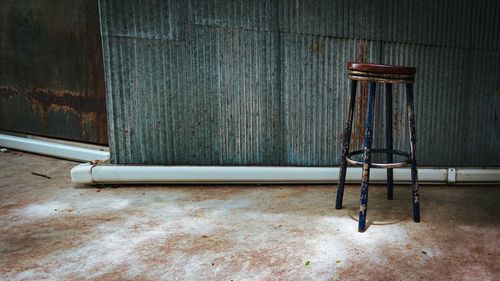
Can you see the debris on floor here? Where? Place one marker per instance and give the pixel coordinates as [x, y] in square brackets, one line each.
[41, 175]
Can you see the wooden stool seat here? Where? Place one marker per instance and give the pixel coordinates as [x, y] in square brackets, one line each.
[381, 68]
[381, 73]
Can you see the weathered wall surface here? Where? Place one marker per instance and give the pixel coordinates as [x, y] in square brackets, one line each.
[264, 82]
[51, 71]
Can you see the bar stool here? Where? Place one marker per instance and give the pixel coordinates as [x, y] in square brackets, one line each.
[388, 75]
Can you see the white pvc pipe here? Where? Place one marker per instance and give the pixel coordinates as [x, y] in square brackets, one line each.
[97, 174]
[477, 175]
[70, 152]
[116, 174]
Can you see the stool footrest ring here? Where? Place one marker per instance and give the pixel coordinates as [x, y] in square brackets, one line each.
[406, 162]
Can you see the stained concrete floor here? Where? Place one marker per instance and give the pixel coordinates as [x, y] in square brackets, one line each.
[53, 230]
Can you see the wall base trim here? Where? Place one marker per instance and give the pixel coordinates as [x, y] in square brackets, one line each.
[53, 148]
[123, 174]
[87, 173]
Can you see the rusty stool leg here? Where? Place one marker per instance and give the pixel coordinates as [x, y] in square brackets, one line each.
[388, 137]
[345, 146]
[414, 175]
[363, 200]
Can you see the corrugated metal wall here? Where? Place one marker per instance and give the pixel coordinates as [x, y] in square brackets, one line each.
[215, 82]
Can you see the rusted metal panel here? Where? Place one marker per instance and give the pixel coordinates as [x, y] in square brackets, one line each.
[451, 23]
[240, 14]
[51, 75]
[135, 19]
[209, 99]
[455, 104]
[480, 136]
[265, 82]
[315, 96]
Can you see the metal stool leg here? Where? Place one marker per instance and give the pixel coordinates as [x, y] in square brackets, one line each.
[345, 146]
[388, 137]
[363, 200]
[414, 175]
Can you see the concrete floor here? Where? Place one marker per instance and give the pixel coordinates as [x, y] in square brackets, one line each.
[51, 229]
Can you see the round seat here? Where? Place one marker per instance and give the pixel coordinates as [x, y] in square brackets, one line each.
[381, 68]
[382, 73]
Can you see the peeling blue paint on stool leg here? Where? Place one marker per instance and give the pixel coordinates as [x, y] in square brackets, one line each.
[413, 143]
[345, 146]
[363, 200]
[389, 138]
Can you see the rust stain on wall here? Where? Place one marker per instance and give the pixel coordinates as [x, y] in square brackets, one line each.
[58, 113]
[358, 132]
[317, 47]
[61, 98]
